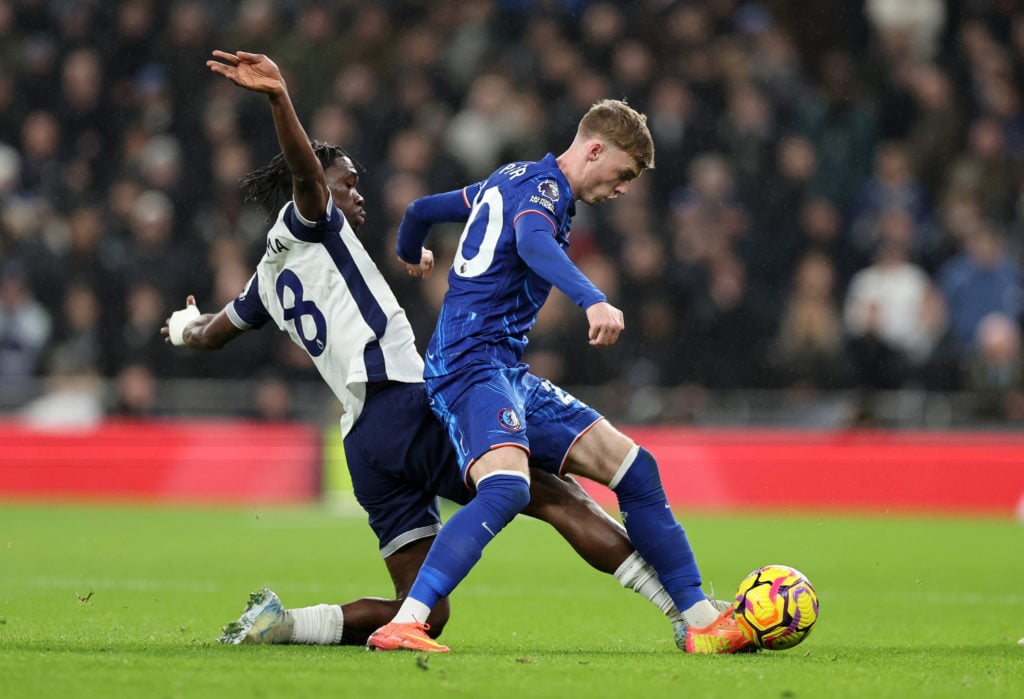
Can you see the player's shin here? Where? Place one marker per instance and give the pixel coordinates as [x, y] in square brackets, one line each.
[658, 537]
[638, 575]
[460, 543]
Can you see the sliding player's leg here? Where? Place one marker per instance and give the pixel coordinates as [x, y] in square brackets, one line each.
[610, 457]
[567, 435]
[265, 620]
[597, 537]
[485, 423]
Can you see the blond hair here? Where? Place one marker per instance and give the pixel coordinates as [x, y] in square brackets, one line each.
[623, 127]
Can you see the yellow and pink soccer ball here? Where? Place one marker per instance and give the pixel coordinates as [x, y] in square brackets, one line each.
[776, 607]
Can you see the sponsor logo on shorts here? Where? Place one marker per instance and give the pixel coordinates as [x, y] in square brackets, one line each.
[508, 419]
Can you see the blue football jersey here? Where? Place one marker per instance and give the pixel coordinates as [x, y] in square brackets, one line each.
[493, 297]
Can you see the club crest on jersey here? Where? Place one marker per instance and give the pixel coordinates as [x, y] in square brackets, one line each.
[549, 189]
[508, 419]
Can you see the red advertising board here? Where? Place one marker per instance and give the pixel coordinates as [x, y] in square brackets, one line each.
[212, 461]
[960, 472]
[240, 461]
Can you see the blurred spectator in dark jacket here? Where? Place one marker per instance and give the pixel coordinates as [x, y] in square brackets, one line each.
[25, 326]
[986, 169]
[79, 341]
[842, 129]
[995, 369]
[808, 349]
[732, 329]
[892, 189]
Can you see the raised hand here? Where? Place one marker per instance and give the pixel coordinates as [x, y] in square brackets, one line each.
[253, 71]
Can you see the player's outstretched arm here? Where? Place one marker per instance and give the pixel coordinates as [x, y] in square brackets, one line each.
[206, 331]
[258, 73]
[420, 215]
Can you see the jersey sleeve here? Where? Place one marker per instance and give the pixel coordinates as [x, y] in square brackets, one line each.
[247, 310]
[538, 248]
[449, 207]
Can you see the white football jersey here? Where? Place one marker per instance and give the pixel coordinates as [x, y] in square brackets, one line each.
[317, 283]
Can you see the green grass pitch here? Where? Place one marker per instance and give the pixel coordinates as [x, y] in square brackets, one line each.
[112, 601]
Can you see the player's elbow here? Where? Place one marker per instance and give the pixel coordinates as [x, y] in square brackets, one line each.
[414, 211]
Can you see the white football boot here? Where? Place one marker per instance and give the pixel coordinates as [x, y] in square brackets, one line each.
[264, 620]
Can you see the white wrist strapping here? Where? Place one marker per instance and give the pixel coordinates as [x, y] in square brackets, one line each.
[178, 321]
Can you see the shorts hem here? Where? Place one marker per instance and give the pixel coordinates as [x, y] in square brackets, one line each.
[406, 538]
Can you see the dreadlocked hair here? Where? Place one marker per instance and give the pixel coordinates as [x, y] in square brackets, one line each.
[271, 185]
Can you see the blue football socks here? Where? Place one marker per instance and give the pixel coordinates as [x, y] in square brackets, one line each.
[499, 497]
[653, 529]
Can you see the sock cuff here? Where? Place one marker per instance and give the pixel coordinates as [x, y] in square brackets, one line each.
[319, 625]
[624, 467]
[503, 472]
[339, 624]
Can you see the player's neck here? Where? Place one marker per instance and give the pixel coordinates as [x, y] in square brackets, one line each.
[571, 164]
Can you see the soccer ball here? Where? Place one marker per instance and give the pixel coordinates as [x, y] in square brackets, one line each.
[776, 607]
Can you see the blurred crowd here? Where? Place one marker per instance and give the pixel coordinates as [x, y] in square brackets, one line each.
[837, 203]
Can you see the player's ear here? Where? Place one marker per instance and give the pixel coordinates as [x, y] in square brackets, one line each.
[594, 149]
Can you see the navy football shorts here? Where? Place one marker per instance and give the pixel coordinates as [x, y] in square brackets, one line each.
[400, 459]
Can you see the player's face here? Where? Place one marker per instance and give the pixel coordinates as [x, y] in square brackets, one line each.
[343, 181]
[609, 174]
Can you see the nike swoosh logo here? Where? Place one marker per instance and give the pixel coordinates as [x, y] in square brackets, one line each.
[484, 524]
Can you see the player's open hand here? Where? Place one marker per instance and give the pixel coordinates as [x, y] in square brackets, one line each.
[606, 322]
[253, 71]
[424, 268]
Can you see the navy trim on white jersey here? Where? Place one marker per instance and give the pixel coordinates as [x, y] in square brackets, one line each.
[367, 303]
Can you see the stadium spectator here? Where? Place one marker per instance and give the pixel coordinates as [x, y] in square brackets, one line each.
[79, 345]
[732, 328]
[884, 315]
[842, 129]
[934, 136]
[892, 196]
[25, 327]
[995, 369]
[910, 28]
[980, 280]
[135, 392]
[808, 352]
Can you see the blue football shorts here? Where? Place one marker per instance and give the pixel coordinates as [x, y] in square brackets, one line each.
[485, 408]
[400, 458]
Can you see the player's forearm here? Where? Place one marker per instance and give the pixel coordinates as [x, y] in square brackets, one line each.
[540, 251]
[210, 331]
[420, 215]
[307, 174]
